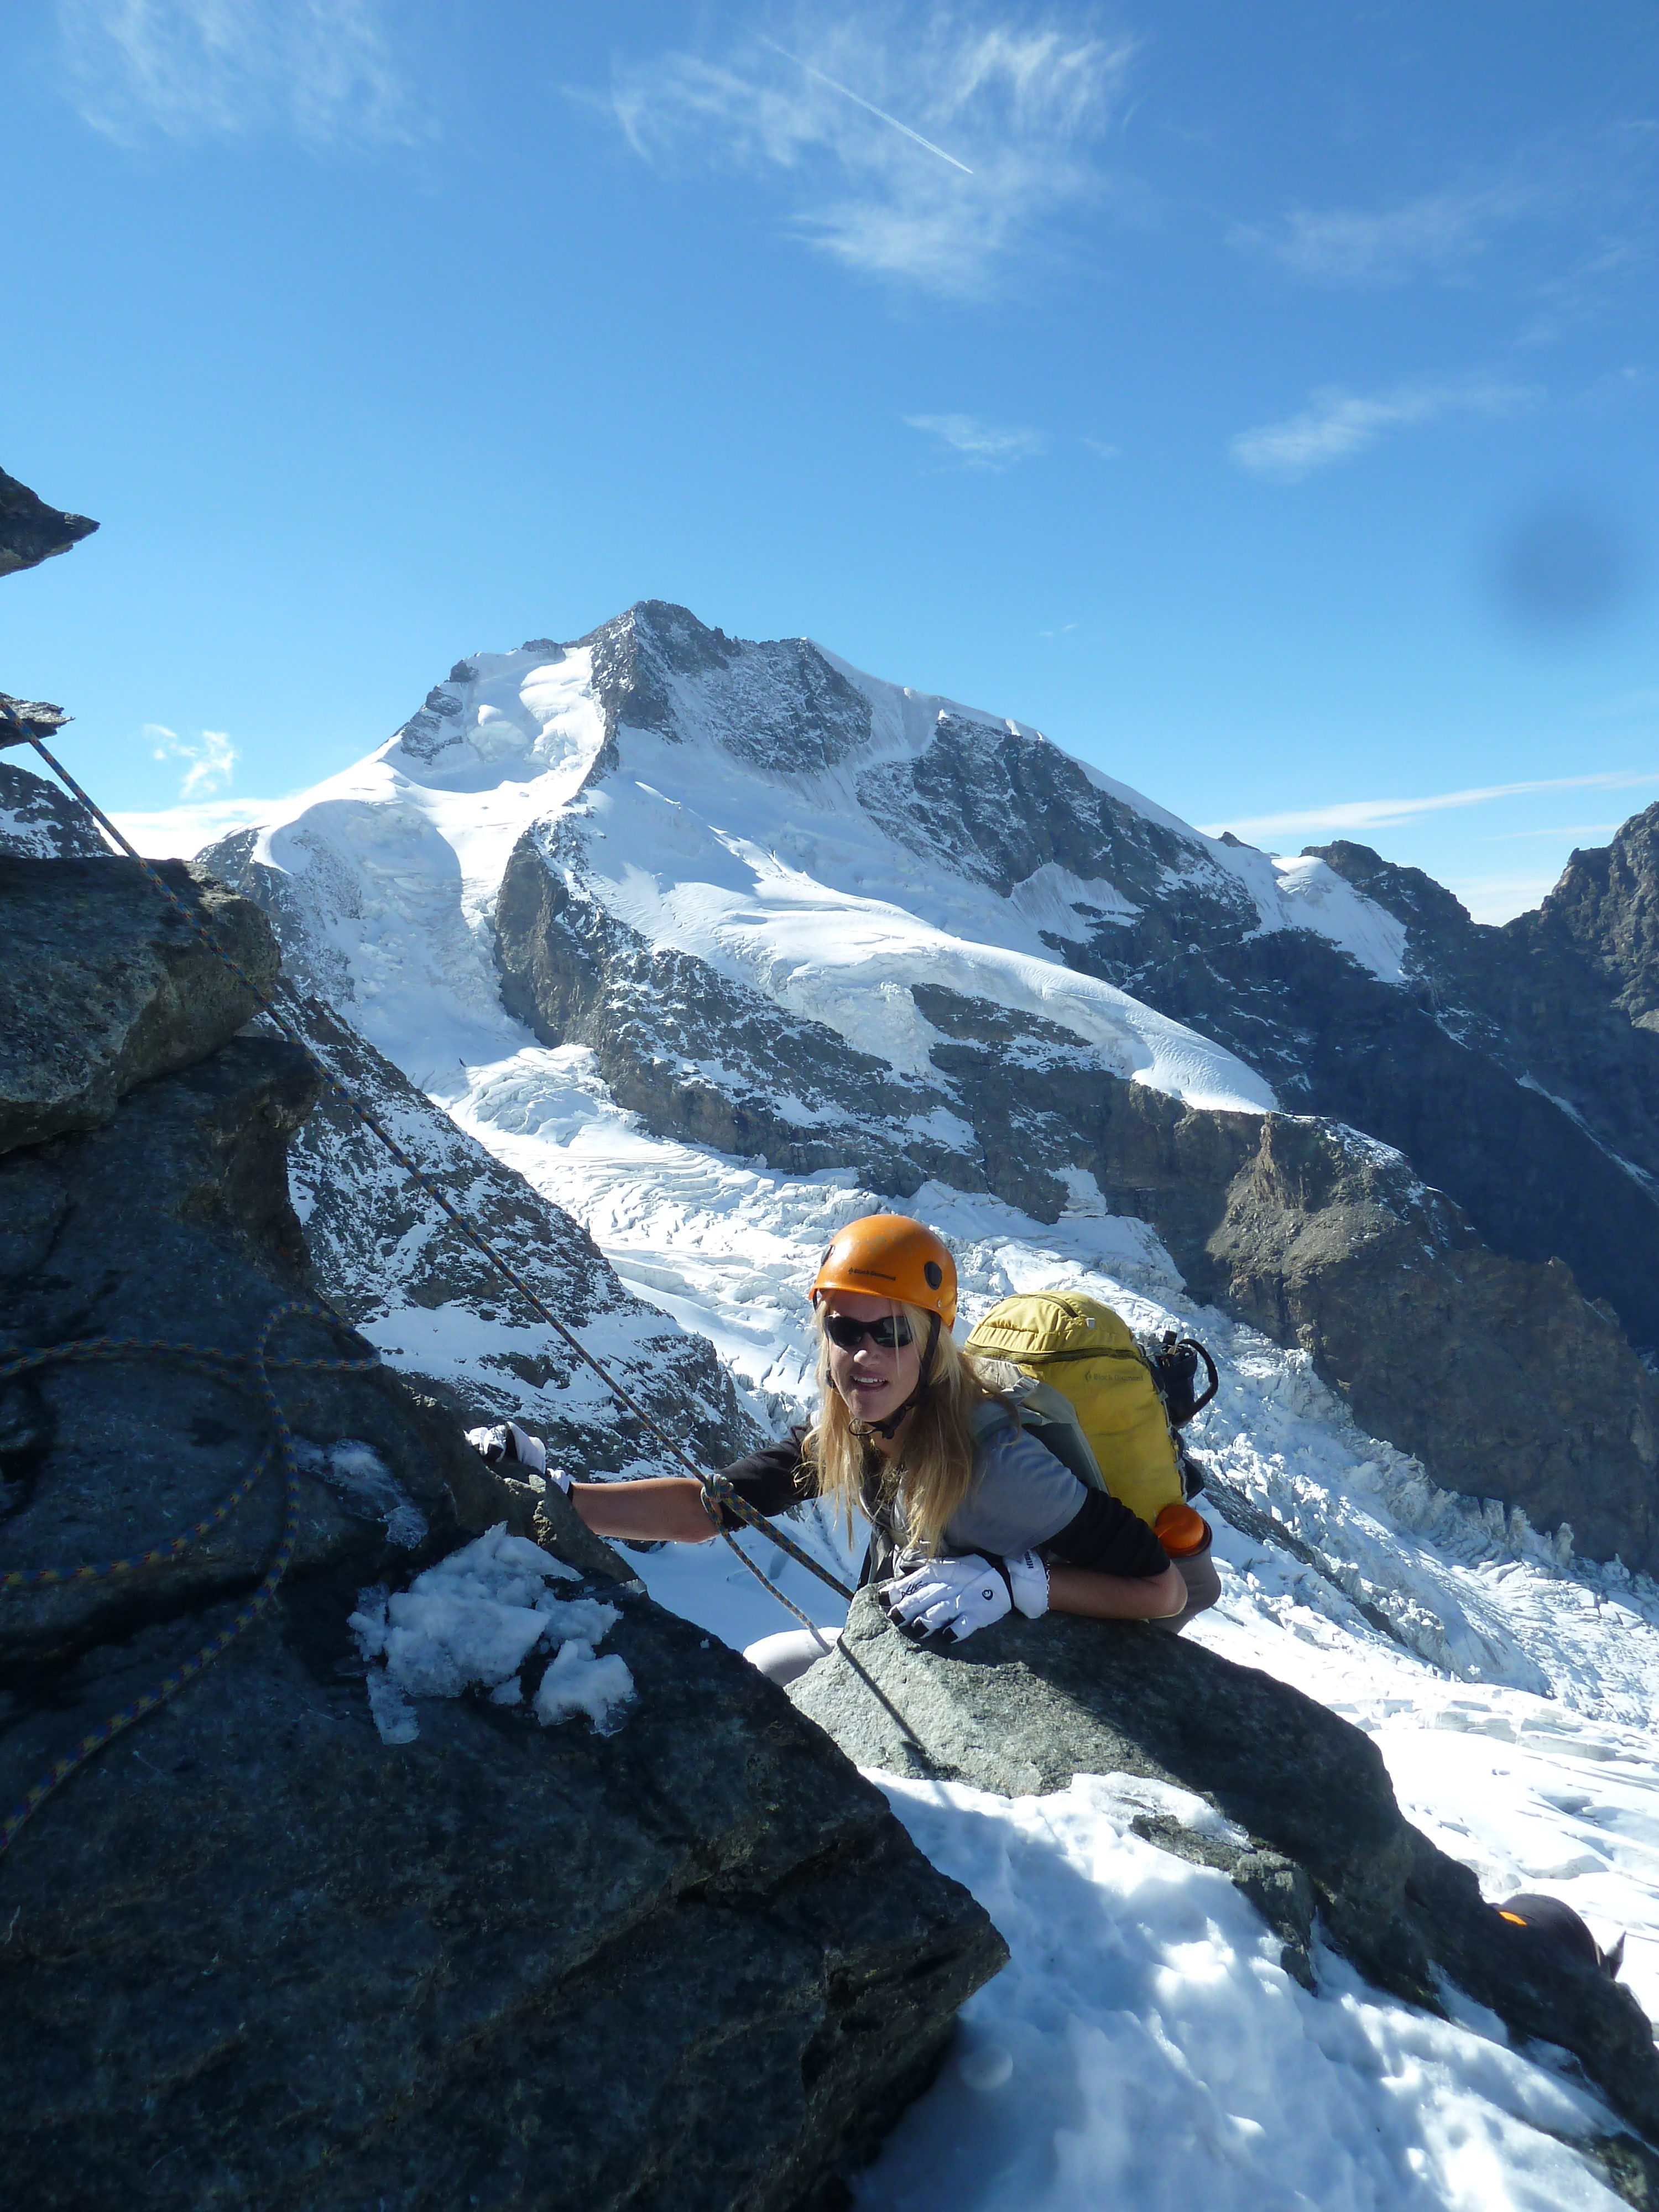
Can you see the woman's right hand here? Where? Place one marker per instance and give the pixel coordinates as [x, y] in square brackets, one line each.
[946, 1598]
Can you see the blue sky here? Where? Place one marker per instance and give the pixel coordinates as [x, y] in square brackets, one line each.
[1262, 400]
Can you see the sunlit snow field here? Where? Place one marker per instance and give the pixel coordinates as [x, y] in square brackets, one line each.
[1144, 2048]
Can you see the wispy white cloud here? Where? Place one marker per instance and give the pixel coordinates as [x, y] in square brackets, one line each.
[1336, 424]
[929, 154]
[1438, 234]
[1498, 899]
[212, 758]
[1389, 813]
[193, 68]
[1100, 451]
[981, 445]
[180, 833]
[869, 106]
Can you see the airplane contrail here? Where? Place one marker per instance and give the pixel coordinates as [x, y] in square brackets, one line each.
[847, 93]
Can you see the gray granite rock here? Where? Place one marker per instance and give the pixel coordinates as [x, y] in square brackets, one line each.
[779, 703]
[30, 531]
[1025, 1705]
[257, 1955]
[103, 985]
[1606, 908]
[23, 719]
[1514, 1067]
[39, 822]
[1499, 1375]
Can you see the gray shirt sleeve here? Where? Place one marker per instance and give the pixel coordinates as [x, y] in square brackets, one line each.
[1021, 1496]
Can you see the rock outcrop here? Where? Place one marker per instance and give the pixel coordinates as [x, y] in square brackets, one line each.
[1499, 1375]
[1606, 907]
[1318, 1838]
[1513, 1073]
[256, 1952]
[30, 531]
[709, 1060]
[39, 822]
[103, 985]
[396, 1268]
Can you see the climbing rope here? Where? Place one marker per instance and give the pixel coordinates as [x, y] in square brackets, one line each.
[718, 1497]
[250, 1372]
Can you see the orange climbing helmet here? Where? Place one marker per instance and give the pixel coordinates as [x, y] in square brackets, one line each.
[888, 1255]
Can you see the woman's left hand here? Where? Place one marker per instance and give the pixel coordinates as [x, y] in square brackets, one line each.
[946, 1598]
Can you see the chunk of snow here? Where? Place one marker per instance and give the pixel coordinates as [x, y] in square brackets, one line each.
[367, 1488]
[390, 1709]
[577, 1682]
[471, 1621]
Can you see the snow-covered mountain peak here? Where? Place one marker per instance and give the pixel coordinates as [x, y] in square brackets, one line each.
[971, 794]
[820, 836]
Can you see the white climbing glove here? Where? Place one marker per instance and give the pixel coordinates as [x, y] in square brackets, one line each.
[506, 1444]
[946, 1598]
[1028, 1582]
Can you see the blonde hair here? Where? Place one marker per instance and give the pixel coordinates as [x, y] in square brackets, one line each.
[935, 1467]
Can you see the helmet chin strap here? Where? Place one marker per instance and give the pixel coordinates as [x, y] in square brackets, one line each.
[887, 1429]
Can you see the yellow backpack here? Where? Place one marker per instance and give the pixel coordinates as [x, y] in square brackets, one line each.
[1084, 1351]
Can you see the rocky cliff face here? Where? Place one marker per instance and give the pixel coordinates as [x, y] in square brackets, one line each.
[39, 822]
[402, 1273]
[296, 1940]
[1606, 908]
[105, 986]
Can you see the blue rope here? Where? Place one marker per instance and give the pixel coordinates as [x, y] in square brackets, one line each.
[250, 1372]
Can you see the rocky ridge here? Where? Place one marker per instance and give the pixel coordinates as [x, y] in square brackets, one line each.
[1606, 907]
[442, 1317]
[261, 1950]
[39, 822]
[30, 531]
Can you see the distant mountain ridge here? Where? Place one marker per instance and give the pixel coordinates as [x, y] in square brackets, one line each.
[818, 920]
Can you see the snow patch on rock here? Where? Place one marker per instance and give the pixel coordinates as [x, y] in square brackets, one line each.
[472, 1621]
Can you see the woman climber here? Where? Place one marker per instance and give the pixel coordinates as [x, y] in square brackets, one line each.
[970, 1515]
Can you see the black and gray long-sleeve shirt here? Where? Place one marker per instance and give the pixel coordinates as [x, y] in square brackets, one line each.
[1022, 1499]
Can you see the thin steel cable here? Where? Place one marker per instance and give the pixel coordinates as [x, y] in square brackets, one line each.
[719, 1495]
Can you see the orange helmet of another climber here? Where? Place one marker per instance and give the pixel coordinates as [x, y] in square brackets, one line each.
[888, 1255]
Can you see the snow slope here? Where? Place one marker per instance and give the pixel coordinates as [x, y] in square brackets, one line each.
[1144, 2048]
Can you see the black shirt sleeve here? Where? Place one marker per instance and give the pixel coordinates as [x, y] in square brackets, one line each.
[772, 1480]
[1105, 1537]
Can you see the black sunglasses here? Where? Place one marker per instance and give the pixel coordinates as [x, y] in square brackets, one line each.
[887, 1333]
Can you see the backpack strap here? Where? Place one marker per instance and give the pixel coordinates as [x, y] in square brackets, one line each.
[1047, 1414]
